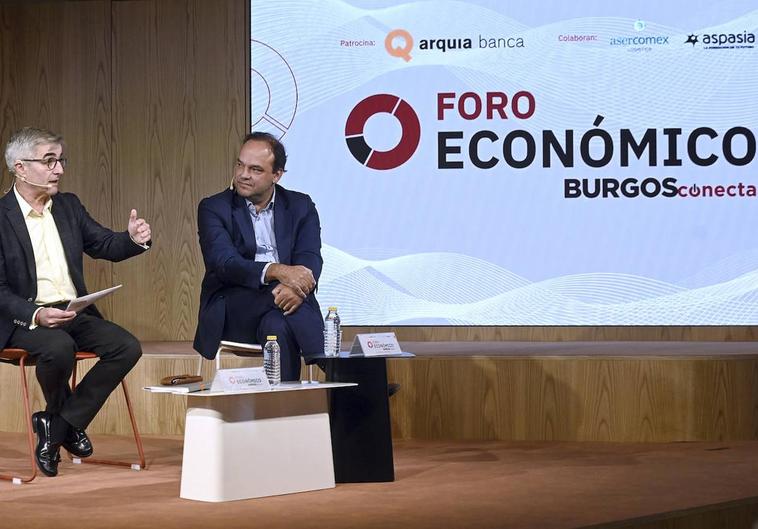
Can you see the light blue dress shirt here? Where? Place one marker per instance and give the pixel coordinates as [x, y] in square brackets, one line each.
[265, 239]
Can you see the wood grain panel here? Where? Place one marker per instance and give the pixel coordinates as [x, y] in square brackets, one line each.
[86, 110]
[10, 85]
[60, 79]
[179, 114]
[534, 399]
[575, 399]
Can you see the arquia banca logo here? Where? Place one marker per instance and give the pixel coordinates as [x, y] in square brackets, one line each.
[718, 41]
[400, 43]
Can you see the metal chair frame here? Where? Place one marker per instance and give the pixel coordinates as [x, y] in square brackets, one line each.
[245, 353]
[21, 359]
[244, 350]
[18, 357]
[82, 355]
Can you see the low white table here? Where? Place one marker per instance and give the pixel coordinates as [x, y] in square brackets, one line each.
[257, 443]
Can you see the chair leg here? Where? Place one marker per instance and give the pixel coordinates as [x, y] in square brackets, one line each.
[137, 437]
[29, 432]
[200, 366]
[73, 376]
[217, 363]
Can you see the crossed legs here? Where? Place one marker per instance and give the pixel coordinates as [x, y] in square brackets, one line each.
[69, 413]
[251, 315]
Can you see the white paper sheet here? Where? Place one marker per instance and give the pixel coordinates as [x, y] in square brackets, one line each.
[85, 301]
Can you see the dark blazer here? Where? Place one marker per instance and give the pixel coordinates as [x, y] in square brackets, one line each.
[227, 240]
[79, 234]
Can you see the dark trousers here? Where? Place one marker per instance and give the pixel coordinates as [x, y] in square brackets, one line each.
[251, 316]
[54, 350]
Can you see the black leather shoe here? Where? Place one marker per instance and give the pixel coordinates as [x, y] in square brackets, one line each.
[47, 453]
[77, 443]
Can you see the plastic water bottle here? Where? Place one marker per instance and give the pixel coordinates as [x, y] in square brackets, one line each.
[332, 333]
[272, 361]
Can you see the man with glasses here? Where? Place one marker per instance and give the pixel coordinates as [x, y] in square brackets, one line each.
[43, 234]
[261, 245]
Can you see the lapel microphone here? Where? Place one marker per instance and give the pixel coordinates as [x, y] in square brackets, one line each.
[46, 186]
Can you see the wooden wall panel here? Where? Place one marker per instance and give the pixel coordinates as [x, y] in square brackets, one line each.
[57, 76]
[179, 113]
[509, 399]
[575, 399]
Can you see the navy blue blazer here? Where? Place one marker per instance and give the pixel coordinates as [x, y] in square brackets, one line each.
[79, 234]
[227, 241]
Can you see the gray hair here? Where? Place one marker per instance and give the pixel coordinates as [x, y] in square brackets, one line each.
[22, 144]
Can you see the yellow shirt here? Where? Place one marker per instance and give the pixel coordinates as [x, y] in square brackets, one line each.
[53, 280]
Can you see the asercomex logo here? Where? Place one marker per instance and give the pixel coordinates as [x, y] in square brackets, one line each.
[398, 155]
[404, 51]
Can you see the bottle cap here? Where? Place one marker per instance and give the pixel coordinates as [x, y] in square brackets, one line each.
[271, 337]
[332, 308]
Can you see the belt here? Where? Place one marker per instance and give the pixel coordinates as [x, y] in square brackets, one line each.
[56, 304]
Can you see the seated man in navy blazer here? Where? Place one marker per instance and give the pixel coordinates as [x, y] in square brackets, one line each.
[43, 234]
[261, 245]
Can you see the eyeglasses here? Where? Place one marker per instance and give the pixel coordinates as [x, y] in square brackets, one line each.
[50, 162]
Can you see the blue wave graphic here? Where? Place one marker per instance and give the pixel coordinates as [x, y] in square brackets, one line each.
[455, 289]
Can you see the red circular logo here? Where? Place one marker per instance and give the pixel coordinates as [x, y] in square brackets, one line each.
[409, 139]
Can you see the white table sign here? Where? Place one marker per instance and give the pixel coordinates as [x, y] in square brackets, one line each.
[231, 380]
[375, 344]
